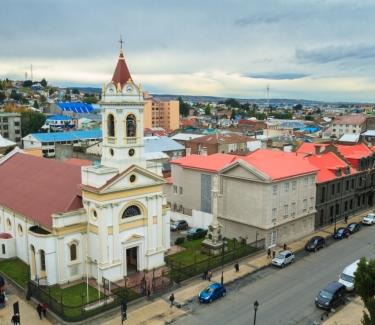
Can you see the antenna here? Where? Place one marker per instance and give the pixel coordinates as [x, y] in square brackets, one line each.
[25, 75]
[268, 95]
[31, 72]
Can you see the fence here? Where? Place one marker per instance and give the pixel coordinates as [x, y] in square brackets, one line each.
[182, 271]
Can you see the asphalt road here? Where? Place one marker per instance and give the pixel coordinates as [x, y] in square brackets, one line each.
[285, 296]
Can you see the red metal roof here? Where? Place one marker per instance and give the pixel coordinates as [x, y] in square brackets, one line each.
[211, 163]
[78, 162]
[4, 235]
[121, 74]
[38, 187]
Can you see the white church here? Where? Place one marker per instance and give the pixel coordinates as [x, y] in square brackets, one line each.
[68, 222]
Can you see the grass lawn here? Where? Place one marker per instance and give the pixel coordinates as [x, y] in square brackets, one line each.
[72, 296]
[16, 270]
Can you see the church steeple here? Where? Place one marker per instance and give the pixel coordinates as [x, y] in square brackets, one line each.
[121, 74]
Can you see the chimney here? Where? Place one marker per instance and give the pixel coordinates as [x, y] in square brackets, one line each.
[317, 149]
[332, 141]
[269, 143]
[188, 151]
[204, 151]
[338, 172]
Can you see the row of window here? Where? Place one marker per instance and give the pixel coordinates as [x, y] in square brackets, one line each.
[60, 142]
[175, 188]
[348, 125]
[342, 131]
[293, 208]
[294, 185]
[292, 228]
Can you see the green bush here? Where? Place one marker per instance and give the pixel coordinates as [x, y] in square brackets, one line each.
[179, 240]
[197, 235]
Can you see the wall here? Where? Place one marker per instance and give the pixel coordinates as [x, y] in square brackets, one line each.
[64, 152]
[198, 218]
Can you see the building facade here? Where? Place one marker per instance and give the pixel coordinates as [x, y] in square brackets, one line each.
[10, 127]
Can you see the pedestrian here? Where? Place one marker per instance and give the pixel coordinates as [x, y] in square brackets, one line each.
[148, 290]
[269, 253]
[209, 275]
[39, 310]
[331, 220]
[2, 300]
[236, 267]
[347, 233]
[284, 246]
[44, 310]
[171, 299]
[15, 319]
[205, 274]
[346, 218]
[273, 254]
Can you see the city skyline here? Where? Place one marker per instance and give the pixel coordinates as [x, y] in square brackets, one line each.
[316, 50]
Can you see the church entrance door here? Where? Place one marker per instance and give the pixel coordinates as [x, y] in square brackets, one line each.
[132, 260]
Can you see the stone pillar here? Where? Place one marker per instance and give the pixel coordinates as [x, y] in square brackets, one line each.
[116, 233]
[61, 264]
[103, 235]
[150, 225]
[159, 215]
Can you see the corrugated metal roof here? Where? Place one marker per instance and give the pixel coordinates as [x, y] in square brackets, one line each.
[76, 107]
[38, 187]
[163, 144]
[66, 136]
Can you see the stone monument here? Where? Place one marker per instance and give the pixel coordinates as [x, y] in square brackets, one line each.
[214, 242]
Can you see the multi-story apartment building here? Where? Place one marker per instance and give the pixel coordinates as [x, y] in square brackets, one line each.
[351, 124]
[10, 127]
[158, 113]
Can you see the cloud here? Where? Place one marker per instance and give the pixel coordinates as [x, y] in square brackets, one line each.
[262, 19]
[333, 53]
[281, 76]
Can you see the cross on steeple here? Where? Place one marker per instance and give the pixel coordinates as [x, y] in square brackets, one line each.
[120, 41]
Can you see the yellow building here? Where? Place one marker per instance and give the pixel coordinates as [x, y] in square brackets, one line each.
[157, 113]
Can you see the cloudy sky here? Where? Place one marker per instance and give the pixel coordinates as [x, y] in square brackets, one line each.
[317, 50]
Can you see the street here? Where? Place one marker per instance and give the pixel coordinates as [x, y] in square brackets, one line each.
[285, 296]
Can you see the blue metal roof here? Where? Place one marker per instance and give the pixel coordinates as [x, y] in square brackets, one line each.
[68, 136]
[76, 107]
[154, 144]
[59, 117]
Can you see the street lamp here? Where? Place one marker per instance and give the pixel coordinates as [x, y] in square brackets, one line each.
[222, 261]
[256, 304]
[256, 239]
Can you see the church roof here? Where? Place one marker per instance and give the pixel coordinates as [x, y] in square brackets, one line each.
[38, 187]
[121, 74]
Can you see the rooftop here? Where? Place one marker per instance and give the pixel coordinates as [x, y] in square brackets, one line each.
[349, 119]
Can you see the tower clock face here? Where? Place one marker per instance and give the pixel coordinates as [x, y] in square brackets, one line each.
[131, 152]
[129, 89]
[112, 89]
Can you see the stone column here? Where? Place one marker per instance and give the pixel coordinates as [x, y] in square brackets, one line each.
[150, 225]
[103, 235]
[62, 276]
[159, 215]
[116, 233]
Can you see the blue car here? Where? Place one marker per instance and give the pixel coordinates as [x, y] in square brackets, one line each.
[212, 292]
[340, 233]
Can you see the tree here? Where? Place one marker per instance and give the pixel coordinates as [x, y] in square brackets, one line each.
[231, 102]
[364, 283]
[298, 107]
[51, 91]
[75, 91]
[184, 107]
[31, 121]
[8, 149]
[2, 97]
[67, 91]
[90, 100]
[207, 111]
[43, 98]
[16, 96]
[318, 111]
[36, 105]
[43, 82]
[27, 83]
[233, 115]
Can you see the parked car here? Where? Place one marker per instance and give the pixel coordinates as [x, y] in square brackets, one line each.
[195, 230]
[212, 292]
[315, 243]
[331, 295]
[179, 224]
[283, 258]
[369, 219]
[354, 227]
[340, 233]
[347, 276]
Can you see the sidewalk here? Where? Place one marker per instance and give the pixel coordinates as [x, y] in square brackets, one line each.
[159, 312]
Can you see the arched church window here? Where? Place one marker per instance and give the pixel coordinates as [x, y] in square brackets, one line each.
[130, 126]
[111, 125]
[3, 248]
[42, 261]
[73, 252]
[131, 211]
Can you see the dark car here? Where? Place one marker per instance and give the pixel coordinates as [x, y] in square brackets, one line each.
[332, 295]
[340, 233]
[315, 243]
[212, 292]
[354, 227]
[179, 224]
[195, 230]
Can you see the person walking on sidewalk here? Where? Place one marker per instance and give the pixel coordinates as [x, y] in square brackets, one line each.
[39, 310]
[346, 218]
[44, 310]
[15, 319]
[2, 300]
[331, 221]
[171, 299]
[269, 253]
[205, 274]
[284, 246]
[209, 275]
[237, 268]
[273, 253]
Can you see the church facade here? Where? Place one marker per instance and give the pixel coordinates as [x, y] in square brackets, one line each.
[99, 221]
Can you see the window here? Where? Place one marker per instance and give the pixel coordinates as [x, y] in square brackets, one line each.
[303, 223]
[17, 131]
[180, 190]
[73, 252]
[16, 123]
[340, 130]
[352, 184]
[285, 210]
[284, 231]
[334, 130]
[42, 261]
[347, 185]
[304, 204]
[305, 181]
[286, 187]
[130, 126]
[338, 188]
[346, 131]
[292, 227]
[5, 120]
[333, 189]
[310, 222]
[274, 190]
[311, 202]
[6, 135]
[293, 207]
[294, 185]
[174, 189]
[131, 211]
[312, 181]
[273, 213]
[111, 125]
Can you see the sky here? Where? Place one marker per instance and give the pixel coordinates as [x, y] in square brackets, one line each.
[313, 50]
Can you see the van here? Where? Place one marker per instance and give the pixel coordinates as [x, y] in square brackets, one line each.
[332, 295]
[347, 276]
